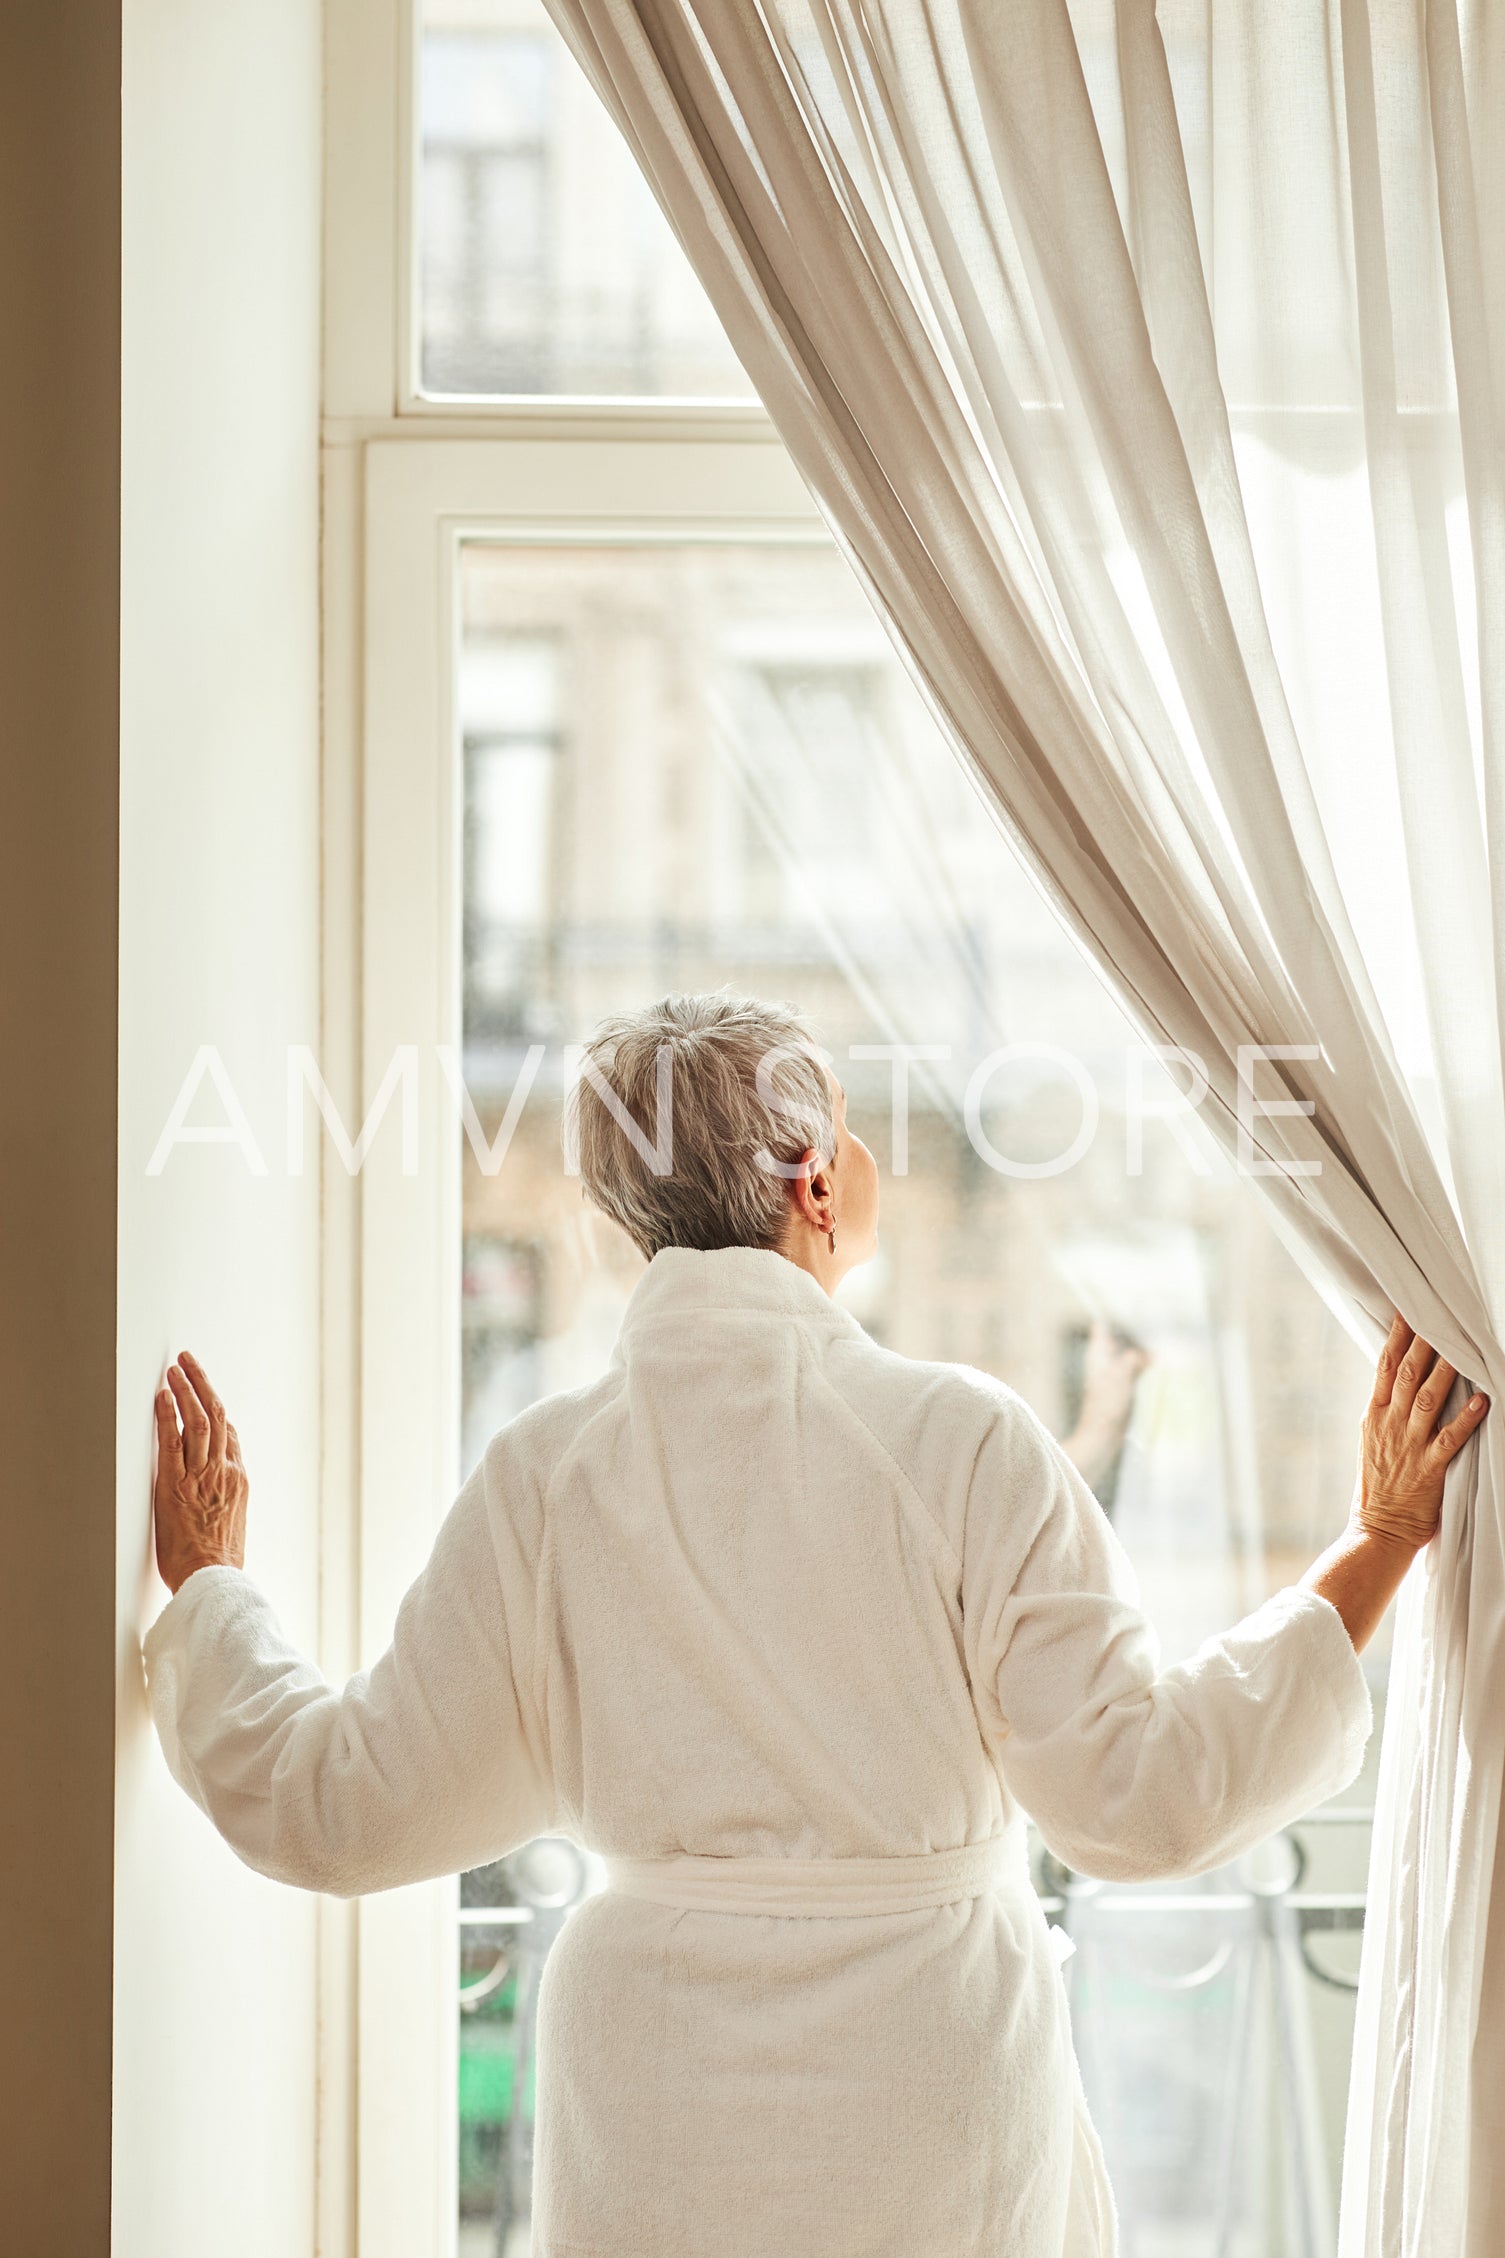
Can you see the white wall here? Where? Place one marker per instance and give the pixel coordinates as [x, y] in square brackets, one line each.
[215, 2015]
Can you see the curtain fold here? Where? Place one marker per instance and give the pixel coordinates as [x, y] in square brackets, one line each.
[1149, 367]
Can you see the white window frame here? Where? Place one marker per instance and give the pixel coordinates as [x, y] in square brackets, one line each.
[406, 480]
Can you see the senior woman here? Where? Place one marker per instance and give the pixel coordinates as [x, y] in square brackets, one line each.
[793, 1631]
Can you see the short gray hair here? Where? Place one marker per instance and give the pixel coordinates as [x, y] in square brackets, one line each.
[725, 1094]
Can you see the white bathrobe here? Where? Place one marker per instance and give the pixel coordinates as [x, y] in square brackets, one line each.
[770, 1617]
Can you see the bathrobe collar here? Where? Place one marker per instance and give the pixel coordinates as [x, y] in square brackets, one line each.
[682, 1281]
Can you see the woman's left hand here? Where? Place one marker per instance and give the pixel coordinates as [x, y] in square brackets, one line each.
[1404, 1452]
[201, 1491]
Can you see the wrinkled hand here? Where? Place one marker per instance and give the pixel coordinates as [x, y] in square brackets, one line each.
[1404, 1454]
[201, 1491]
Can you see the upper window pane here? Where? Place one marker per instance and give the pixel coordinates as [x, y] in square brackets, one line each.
[544, 266]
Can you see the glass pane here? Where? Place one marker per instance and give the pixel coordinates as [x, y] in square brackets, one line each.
[544, 265]
[695, 764]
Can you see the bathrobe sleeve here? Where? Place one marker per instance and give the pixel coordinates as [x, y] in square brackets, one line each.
[1134, 1772]
[429, 1763]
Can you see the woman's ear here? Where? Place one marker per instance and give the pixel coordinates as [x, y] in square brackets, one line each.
[811, 1189]
[822, 1192]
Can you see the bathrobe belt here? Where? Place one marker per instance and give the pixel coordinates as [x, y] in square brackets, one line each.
[833, 1888]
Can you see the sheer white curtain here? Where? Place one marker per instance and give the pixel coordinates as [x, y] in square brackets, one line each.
[1149, 365]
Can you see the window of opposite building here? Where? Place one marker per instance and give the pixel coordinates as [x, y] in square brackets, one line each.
[544, 265]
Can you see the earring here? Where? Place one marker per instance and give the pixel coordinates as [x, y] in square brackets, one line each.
[831, 1238]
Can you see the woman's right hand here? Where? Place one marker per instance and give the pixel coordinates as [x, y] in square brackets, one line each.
[200, 1492]
[1404, 1454]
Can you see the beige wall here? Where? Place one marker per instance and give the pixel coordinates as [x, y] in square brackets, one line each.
[59, 302]
[215, 2020]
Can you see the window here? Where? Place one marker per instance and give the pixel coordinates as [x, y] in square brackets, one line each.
[612, 716]
[545, 266]
[509, 702]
